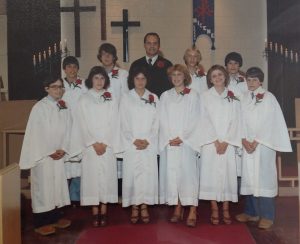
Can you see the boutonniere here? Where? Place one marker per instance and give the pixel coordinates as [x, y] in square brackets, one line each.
[160, 64]
[150, 100]
[61, 104]
[259, 97]
[200, 72]
[239, 79]
[115, 73]
[185, 91]
[77, 83]
[106, 96]
[230, 96]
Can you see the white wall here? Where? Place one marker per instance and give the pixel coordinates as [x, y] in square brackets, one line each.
[3, 43]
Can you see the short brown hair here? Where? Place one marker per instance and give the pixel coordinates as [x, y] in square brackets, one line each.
[181, 68]
[213, 68]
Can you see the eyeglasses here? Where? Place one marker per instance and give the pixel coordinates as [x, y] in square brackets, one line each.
[55, 87]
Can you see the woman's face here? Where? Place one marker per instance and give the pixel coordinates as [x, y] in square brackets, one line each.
[107, 59]
[140, 81]
[55, 90]
[233, 67]
[192, 58]
[98, 82]
[218, 78]
[177, 78]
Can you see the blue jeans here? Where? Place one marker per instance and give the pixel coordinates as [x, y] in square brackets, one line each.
[75, 189]
[263, 207]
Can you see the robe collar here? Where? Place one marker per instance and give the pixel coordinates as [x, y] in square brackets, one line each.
[96, 94]
[135, 95]
[215, 93]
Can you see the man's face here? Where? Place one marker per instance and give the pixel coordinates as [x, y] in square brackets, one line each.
[71, 71]
[151, 46]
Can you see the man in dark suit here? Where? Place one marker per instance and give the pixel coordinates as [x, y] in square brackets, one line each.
[156, 65]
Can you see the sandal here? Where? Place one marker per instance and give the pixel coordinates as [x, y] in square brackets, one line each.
[134, 214]
[103, 220]
[144, 214]
[214, 218]
[96, 220]
[177, 217]
[226, 216]
[192, 221]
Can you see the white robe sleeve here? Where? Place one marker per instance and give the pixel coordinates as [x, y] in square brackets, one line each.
[35, 147]
[272, 131]
[164, 134]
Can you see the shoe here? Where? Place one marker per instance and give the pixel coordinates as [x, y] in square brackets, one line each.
[214, 218]
[62, 223]
[96, 220]
[45, 230]
[192, 221]
[134, 214]
[144, 214]
[246, 218]
[176, 218]
[103, 220]
[226, 217]
[265, 224]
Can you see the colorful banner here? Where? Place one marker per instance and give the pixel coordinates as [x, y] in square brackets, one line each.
[204, 20]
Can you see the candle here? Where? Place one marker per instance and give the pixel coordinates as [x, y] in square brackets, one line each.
[292, 56]
[34, 60]
[60, 46]
[40, 57]
[44, 55]
[281, 49]
[286, 54]
[276, 47]
[271, 46]
[55, 48]
[296, 57]
[49, 51]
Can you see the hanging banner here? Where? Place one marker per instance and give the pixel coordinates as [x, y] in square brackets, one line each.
[204, 20]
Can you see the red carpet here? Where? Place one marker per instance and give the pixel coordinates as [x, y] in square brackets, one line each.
[160, 231]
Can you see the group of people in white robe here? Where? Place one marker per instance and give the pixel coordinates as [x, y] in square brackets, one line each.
[207, 130]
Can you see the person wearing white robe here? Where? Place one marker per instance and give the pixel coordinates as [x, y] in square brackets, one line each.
[107, 55]
[74, 88]
[192, 58]
[237, 84]
[139, 136]
[43, 152]
[265, 132]
[97, 122]
[218, 173]
[178, 172]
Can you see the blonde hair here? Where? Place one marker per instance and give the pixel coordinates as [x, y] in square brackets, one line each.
[181, 68]
[192, 49]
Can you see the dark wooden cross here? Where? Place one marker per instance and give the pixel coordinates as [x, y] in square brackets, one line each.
[77, 9]
[125, 24]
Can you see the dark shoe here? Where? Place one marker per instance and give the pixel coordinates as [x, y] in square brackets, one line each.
[145, 215]
[45, 230]
[103, 220]
[96, 220]
[134, 214]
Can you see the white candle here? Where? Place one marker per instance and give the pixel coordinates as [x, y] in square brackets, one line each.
[296, 57]
[55, 48]
[292, 55]
[40, 57]
[281, 49]
[49, 51]
[271, 46]
[276, 47]
[34, 60]
[286, 54]
[44, 55]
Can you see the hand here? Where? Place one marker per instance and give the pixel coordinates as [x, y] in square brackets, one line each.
[249, 147]
[175, 142]
[100, 148]
[217, 145]
[59, 154]
[141, 144]
[223, 147]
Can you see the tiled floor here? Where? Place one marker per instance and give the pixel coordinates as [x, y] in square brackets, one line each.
[285, 230]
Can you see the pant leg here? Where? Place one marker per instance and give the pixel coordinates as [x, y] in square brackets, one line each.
[46, 218]
[251, 205]
[267, 207]
[75, 189]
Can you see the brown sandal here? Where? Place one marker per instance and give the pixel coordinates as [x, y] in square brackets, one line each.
[144, 214]
[177, 217]
[214, 218]
[134, 214]
[226, 217]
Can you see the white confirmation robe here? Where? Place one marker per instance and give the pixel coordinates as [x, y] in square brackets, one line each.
[71, 96]
[218, 173]
[47, 131]
[198, 84]
[140, 174]
[178, 170]
[264, 123]
[97, 121]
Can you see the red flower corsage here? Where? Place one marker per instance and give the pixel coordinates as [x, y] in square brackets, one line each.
[61, 104]
[106, 96]
[115, 73]
[200, 72]
[160, 64]
[185, 91]
[259, 97]
[240, 79]
[151, 100]
[77, 83]
[230, 96]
